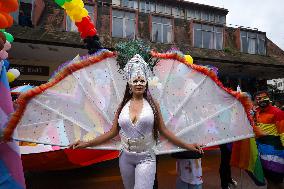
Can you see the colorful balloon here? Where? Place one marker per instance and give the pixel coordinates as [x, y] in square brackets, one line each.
[77, 13]
[9, 37]
[60, 2]
[9, 19]
[7, 46]
[15, 72]
[3, 21]
[188, 59]
[11, 77]
[73, 4]
[8, 5]
[92, 32]
[3, 55]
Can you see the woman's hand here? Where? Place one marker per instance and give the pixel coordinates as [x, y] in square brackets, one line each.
[78, 144]
[195, 147]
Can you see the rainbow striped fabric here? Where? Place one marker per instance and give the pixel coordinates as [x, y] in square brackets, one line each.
[266, 153]
[11, 170]
[271, 146]
[245, 155]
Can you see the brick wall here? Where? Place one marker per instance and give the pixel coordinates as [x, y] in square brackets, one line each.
[182, 32]
[144, 26]
[52, 17]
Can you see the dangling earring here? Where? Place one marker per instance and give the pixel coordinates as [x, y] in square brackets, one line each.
[130, 90]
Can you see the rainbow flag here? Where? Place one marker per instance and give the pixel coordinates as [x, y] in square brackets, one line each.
[11, 170]
[245, 156]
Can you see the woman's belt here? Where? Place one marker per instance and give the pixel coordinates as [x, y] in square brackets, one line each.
[142, 144]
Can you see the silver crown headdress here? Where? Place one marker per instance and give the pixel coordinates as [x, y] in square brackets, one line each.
[136, 67]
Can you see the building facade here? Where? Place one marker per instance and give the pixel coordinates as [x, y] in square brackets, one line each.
[45, 38]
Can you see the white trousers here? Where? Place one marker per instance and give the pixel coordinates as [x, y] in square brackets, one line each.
[137, 169]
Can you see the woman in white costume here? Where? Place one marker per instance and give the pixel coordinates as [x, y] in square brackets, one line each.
[138, 121]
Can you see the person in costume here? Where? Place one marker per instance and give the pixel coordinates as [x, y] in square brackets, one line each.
[270, 120]
[138, 121]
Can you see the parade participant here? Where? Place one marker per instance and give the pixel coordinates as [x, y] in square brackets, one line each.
[138, 121]
[189, 174]
[270, 120]
[225, 167]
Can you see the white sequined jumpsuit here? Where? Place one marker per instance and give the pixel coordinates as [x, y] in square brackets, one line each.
[137, 161]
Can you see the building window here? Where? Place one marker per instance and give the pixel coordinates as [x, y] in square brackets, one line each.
[168, 9]
[222, 19]
[147, 6]
[253, 43]
[161, 29]
[206, 36]
[211, 17]
[129, 3]
[25, 13]
[144, 6]
[123, 24]
[193, 14]
[205, 16]
[116, 2]
[153, 7]
[178, 12]
[160, 8]
[70, 25]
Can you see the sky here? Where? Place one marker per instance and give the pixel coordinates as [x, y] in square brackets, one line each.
[267, 16]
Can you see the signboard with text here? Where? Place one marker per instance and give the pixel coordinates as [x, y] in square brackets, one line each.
[31, 70]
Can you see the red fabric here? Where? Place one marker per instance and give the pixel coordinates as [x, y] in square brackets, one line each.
[271, 115]
[65, 159]
[240, 156]
[85, 157]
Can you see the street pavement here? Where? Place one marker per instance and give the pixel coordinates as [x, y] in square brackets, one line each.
[106, 175]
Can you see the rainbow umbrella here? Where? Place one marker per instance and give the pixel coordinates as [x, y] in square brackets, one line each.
[11, 170]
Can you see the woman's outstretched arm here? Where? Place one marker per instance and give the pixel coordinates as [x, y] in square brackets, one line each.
[171, 137]
[100, 139]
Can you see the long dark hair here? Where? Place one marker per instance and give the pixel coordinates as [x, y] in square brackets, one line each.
[127, 96]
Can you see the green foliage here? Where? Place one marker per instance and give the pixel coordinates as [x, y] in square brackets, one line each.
[126, 50]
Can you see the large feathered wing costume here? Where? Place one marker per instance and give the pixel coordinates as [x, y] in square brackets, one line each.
[81, 100]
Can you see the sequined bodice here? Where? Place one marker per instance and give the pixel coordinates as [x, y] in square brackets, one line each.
[142, 127]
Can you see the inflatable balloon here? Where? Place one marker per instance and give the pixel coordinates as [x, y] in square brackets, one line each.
[12, 74]
[8, 5]
[9, 19]
[9, 37]
[3, 55]
[60, 2]
[7, 46]
[15, 72]
[188, 59]
[3, 21]
[11, 77]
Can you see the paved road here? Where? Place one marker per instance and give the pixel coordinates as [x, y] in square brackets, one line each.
[106, 176]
